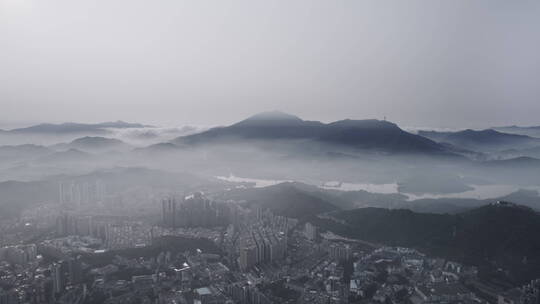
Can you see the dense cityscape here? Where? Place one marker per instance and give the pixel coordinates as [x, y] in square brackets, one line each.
[197, 249]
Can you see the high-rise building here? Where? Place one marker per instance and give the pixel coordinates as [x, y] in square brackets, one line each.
[197, 211]
[19, 254]
[58, 277]
[76, 194]
[340, 251]
[65, 225]
[246, 293]
[69, 224]
[83, 226]
[260, 244]
[248, 257]
[39, 291]
[311, 231]
[168, 210]
[75, 271]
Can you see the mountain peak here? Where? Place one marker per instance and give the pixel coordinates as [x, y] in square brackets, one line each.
[270, 118]
[273, 115]
[371, 134]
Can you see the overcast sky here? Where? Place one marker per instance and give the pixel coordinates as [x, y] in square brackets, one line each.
[453, 63]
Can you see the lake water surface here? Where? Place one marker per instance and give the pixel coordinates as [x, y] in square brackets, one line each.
[478, 191]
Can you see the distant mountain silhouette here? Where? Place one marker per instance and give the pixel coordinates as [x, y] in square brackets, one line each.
[528, 152]
[484, 140]
[531, 197]
[533, 131]
[500, 233]
[285, 199]
[94, 144]
[157, 148]
[358, 134]
[523, 161]
[22, 152]
[271, 118]
[124, 178]
[71, 155]
[96, 141]
[71, 127]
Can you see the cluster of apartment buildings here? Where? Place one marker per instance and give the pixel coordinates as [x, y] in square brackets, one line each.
[196, 211]
[19, 254]
[261, 245]
[72, 193]
[114, 233]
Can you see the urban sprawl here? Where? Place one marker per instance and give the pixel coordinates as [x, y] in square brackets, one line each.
[199, 249]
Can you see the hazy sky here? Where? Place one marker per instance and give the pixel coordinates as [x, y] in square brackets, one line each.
[420, 63]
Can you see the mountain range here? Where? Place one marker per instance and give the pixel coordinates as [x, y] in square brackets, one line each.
[78, 149]
[283, 146]
[94, 144]
[374, 135]
[483, 140]
[71, 127]
[22, 152]
[533, 131]
[336, 138]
